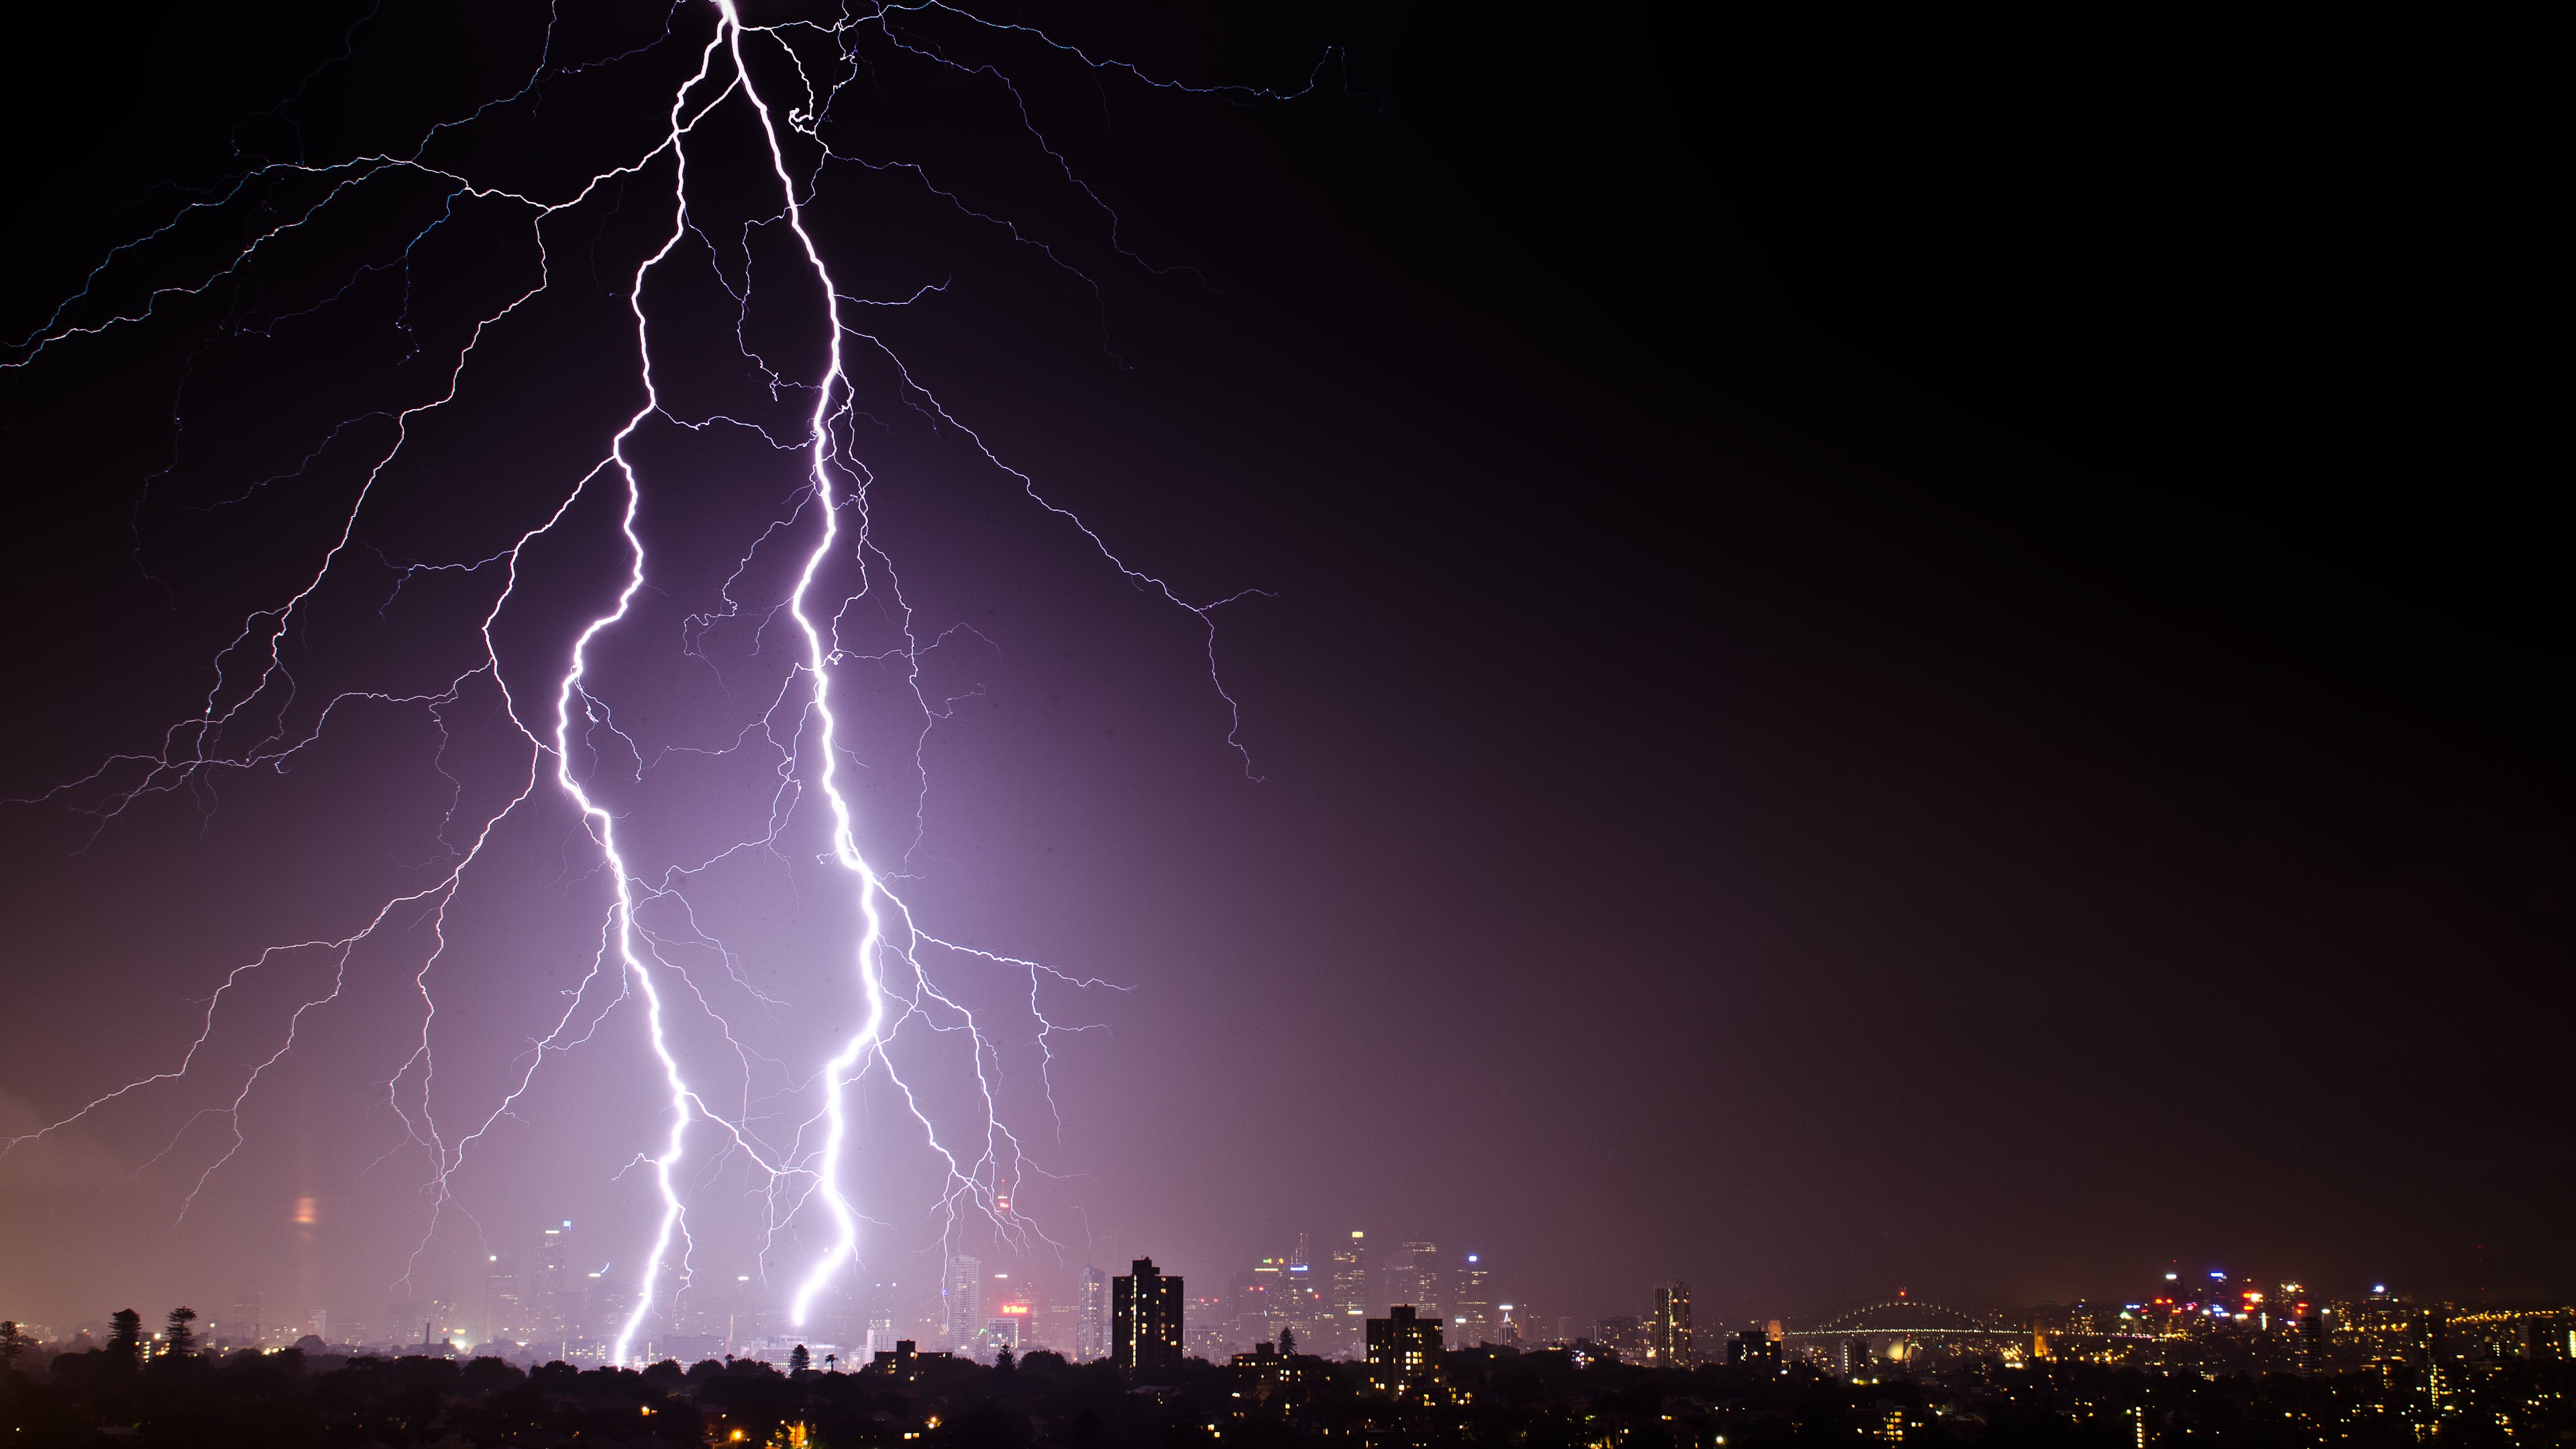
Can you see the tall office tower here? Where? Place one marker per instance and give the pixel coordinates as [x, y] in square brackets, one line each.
[1091, 1317]
[1423, 1288]
[961, 1303]
[504, 1308]
[1260, 1303]
[1404, 1354]
[1347, 1295]
[1668, 1331]
[1471, 1304]
[1856, 1360]
[876, 1314]
[1302, 1308]
[1145, 1321]
[556, 1292]
[249, 1325]
[1753, 1348]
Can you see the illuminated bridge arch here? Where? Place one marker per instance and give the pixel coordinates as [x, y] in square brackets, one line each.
[1910, 1317]
[1917, 1313]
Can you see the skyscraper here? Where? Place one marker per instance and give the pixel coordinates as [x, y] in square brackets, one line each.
[1091, 1317]
[1421, 1279]
[1404, 1354]
[1668, 1331]
[961, 1303]
[504, 1299]
[556, 1292]
[1471, 1303]
[1145, 1320]
[1348, 1295]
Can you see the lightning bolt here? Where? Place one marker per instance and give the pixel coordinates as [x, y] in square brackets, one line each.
[251, 719]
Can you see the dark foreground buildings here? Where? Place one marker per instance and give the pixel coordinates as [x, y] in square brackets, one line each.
[1145, 1322]
[1404, 1355]
[1550, 1399]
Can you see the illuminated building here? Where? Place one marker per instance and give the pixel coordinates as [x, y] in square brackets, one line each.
[1301, 1301]
[1004, 1332]
[1145, 1320]
[961, 1303]
[1348, 1298]
[1622, 1336]
[1091, 1317]
[2441, 1375]
[1471, 1303]
[504, 1306]
[1668, 1331]
[1404, 1355]
[1856, 1361]
[555, 1300]
[1258, 1302]
[880, 1322]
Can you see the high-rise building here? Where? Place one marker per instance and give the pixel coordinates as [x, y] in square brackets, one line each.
[504, 1305]
[1145, 1320]
[961, 1303]
[555, 1292]
[1091, 1317]
[1471, 1303]
[1423, 1286]
[1347, 1296]
[1404, 1354]
[1301, 1304]
[1668, 1329]
[1258, 1303]
[249, 1324]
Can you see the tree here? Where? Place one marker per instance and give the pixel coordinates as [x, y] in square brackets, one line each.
[1003, 1363]
[13, 1342]
[798, 1360]
[1287, 1341]
[182, 1339]
[125, 1336]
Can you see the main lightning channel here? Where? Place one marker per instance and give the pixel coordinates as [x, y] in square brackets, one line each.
[889, 945]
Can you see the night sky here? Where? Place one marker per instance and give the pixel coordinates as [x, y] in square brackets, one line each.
[1915, 645]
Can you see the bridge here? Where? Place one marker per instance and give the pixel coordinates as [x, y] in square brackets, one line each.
[1902, 1317]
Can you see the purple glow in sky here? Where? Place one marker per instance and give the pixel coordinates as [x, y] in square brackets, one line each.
[580, 651]
[1805, 650]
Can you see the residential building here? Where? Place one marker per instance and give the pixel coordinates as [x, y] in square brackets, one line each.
[1404, 1355]
[1145, 1307]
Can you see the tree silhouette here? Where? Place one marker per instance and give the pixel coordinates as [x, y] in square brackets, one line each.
[125, 1336]
[1287, 1341]
[182, 1339]
[13, 1342]
[798, 1360]
[1003, 1363]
